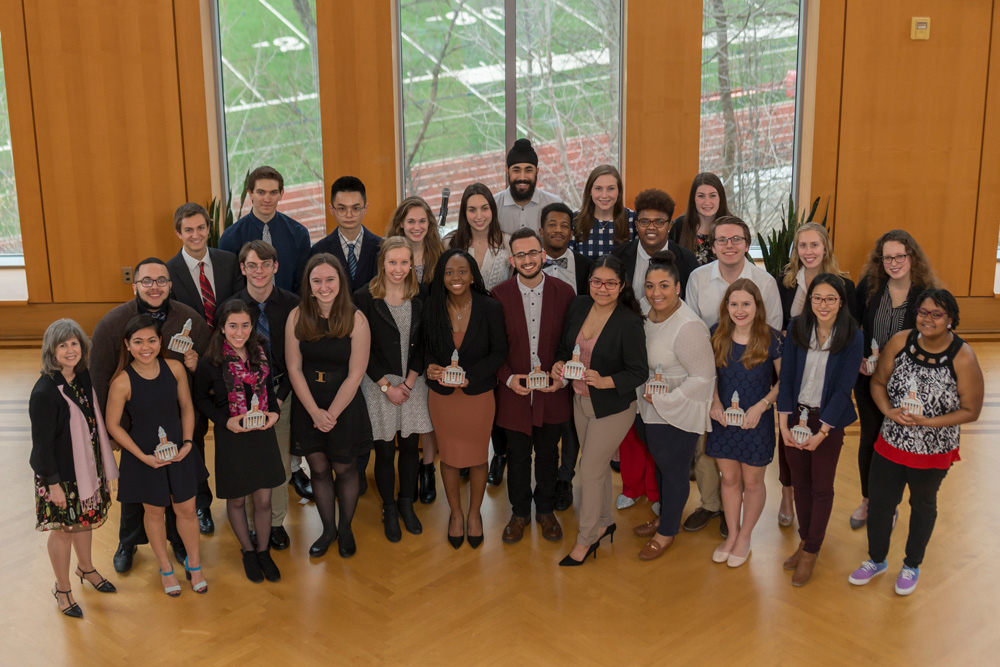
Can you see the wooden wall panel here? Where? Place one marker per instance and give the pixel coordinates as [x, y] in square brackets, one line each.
[110, 154]
[662, 121]
[984, 258]
[911, 130]
[357, 102]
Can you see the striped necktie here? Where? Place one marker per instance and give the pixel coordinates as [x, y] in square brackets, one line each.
[263, 328]
[352, 261]
[207, 295]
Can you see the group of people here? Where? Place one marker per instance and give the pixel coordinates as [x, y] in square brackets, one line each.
[567, 335]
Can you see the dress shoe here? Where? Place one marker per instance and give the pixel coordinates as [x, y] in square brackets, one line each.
[804, 569]
[463, 472]
[408, 516]
[497, 466]
[652, 550]
[609, 531]
[860, 516]
[346, 545]
[104, 586]
[647, 529]
[303, 485]
[551, 530]
[71, 609]
[455, 540]
[723, 526]
[279, 538]
[267, 566]
[736, 561]
[320, 546]
[720, 555]
[564, 495]
[475, 541]
[205, 523]
[390, 522]
[514, 530]
[251, 567]
[123, 557]
[616, 466]
[569, 561]
[180, 553]
[427, 492]
[699, 518]
[793, 561]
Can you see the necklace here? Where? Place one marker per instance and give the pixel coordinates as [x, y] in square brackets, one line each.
[458, 311]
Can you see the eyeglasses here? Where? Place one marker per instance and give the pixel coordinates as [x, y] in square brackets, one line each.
[597, 283]
[726, 240]
[933, 314]
[252, 267]
[348, 211]
[521, 256]
[894, 259]
[824, 300]
[149, 282]
[659, 223]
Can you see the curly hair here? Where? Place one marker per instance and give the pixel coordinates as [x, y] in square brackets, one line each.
[921, 272]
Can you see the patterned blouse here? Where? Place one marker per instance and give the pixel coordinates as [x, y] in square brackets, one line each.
[602, 235]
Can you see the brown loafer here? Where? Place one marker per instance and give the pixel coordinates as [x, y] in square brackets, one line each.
[793, 561]
[551, 530]
[653, 550]
[804, 569]
[647, 529]
[514, 530]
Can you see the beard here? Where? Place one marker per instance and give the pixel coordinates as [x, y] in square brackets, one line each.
[515, 189]
[533, 274]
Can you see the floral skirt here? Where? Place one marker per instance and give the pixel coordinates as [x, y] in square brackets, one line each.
[78, 516]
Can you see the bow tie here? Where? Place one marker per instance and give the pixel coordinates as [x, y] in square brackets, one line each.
[561, 261]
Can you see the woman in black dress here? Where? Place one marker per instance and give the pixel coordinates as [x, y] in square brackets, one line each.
[326, 352]
[235, 378]
[71, 457]
[153, 393]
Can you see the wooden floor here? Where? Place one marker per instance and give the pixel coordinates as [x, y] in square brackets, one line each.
[421, 602]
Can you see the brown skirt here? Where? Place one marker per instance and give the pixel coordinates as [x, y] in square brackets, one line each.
[462, 426]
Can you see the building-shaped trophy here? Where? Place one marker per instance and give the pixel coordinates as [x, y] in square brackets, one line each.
[573, 369]
[734, 414]
[911, 404]
[181, 343]
[536, 378]
[254, 418]
[872, 361]
[801, 432]
[166, 450]
[656, 384]
[453, 374]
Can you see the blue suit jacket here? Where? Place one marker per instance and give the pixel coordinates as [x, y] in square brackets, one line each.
[836, 408]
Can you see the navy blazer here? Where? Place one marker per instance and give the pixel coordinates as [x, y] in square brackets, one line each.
[787, 296]
[835, 408]
[483, 349]
[367, 263]
[225, 269]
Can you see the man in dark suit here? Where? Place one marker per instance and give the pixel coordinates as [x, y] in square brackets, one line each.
[534, 307]
[573, 269]
[654, 211]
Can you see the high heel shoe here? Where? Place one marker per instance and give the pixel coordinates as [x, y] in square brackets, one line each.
[569, 561]
[475, 541]
[609, 531]
[73, 610]
[453, 540]
[104, 587]
[172, 591]
[202, 586]
[320, 546]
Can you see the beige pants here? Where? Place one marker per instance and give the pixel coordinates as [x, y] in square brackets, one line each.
[706, 476]
[599, 438]
[279, 494]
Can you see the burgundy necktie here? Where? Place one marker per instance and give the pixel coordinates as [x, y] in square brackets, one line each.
[207, 295]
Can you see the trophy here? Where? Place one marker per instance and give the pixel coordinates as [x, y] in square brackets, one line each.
[181, 343]
[254, 418]
[911, 404]
[801, 432]
[165, 451]
[872, 361]
[536, 378]
[454, 376]
[735, 415]
[573, 369]
[656, 384]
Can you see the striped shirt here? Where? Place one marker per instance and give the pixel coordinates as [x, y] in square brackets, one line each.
[888, 320]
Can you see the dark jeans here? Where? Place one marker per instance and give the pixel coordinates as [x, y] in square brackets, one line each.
[203, 498]
[132, 531]
[870, 419]
[784, 472]
[887, 482]
[545, 440]
[812, 477]
[569, 451]
[385, 468]
[673, 451]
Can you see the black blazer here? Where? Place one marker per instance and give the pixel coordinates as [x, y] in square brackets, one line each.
[367, 263]
[51, 442]
[619, 353]
[226, 271]
[483, 350]
[787, 296]
[629, 252]
[583, 264]
[384, 357]
[211, 398]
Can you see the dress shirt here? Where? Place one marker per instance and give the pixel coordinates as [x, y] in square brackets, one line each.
[531, 299]
[512, 216]
[706, 287]
[567, 275]
[356, 242]
[289, 238]
[639, 277]
[195, 270]
[814, 373]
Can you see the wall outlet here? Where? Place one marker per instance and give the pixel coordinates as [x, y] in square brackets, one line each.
[127, 275]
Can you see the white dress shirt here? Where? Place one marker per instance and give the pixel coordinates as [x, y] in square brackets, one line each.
[814, 372]
[706, 287]
[567, 275]
[195, 270]
[531, 299]
[356, 242]
[512, 216]
[639, 276]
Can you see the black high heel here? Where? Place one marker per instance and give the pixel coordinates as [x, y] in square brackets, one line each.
[73, 611]
[569, 561]
[104, 587]
[475, 541]
[456, 541]
[610, 530]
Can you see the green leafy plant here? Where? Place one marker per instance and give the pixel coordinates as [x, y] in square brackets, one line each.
[776, 248]
[220, 218]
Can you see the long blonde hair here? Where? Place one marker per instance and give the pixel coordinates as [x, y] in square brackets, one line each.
[377, 284]
[829, 261]
[433, 246]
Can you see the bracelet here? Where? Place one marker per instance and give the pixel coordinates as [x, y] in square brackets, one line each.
[408, 386]
[184, 442]
[824, 433]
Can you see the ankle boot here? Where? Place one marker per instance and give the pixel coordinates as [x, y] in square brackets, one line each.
[793, 561]
[251, 567]
[428, 492]
[408, 516]
[804, 570]
[267, 566]
[390, 521]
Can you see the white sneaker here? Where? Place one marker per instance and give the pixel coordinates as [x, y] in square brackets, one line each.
[624, 501]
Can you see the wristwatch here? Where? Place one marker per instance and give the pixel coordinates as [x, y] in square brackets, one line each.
[384, 387]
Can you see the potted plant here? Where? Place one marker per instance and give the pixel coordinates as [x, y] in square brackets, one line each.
[777, 247]
[218, 218]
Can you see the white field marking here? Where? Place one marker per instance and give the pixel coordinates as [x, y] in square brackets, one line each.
[485, 74]
[284, 20]
[247, 106]
[489, 23]
[242, 79]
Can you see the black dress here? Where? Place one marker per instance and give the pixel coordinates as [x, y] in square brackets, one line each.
[153, 405]
[244, 462]
[325, 365]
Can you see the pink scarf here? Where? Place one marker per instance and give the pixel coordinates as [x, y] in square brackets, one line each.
[84, 464]
[236, 374]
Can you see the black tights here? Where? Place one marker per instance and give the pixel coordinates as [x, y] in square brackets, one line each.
[347, 487]
[385, 472]
[236, 509]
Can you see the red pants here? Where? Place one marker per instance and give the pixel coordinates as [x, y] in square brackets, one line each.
[638, 468]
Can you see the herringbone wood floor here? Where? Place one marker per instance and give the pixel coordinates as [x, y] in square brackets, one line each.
[420, 602]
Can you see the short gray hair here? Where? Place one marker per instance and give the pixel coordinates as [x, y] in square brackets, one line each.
[58, 332]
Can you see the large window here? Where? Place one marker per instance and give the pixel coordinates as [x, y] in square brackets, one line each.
[10, 224]
[748, 92]
[270, 81]
[567, 92]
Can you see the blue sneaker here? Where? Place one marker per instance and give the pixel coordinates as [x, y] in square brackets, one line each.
[906, 583]
[868, 571]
